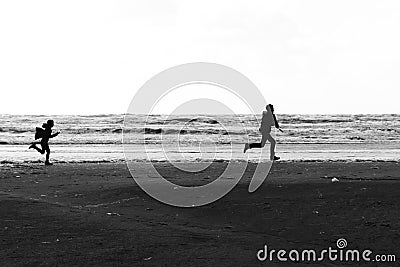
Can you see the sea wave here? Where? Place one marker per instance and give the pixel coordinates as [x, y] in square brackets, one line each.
[108, 128]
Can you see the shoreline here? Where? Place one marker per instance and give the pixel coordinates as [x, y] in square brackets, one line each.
[114, 153]
[123, 161]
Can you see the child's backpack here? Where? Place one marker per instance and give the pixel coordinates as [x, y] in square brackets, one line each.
[39, 133]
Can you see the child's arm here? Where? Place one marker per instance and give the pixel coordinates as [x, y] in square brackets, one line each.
[54, 135]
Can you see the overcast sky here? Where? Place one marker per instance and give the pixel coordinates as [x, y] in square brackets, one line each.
[89, 57]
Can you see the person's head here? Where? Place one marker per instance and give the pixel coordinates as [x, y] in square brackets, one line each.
[270, 107]
[50, 123]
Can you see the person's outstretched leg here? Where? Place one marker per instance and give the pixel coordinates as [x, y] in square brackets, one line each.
[41, 151]
[256, 145]
[251, 145]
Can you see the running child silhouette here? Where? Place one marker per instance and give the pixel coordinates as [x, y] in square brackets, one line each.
[268, 120]
[45, 134]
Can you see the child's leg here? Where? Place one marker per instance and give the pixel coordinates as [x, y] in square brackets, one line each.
[41, 151]
[45, 147]
[47, 154]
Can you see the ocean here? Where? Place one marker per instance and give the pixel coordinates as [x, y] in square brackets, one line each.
[101, 138]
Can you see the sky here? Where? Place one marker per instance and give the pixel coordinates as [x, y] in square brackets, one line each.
[90, 57]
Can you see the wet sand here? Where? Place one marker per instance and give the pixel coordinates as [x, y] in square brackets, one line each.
[95, 214]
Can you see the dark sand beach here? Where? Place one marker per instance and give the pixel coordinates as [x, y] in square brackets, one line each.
[95, 214]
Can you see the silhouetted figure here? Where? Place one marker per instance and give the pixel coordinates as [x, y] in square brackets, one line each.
[268, 120]
[45, 134]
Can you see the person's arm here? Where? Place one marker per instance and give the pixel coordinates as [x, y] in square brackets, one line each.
[275, 121]
[54, 135]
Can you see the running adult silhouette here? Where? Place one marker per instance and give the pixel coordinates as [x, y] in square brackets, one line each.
[268, 120]
[45, 134]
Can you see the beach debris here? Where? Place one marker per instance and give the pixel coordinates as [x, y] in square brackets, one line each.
[335, 180]
[147, 259]
[113, 214]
